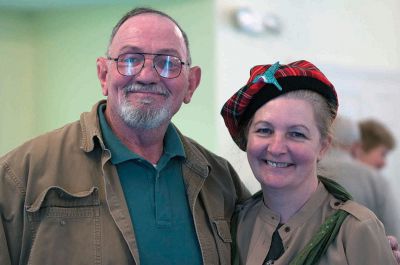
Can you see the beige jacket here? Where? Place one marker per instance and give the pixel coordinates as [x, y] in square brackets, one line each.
[61, 201]
[361, 239]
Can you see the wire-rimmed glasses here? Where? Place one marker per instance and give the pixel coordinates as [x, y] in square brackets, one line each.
[130, 64]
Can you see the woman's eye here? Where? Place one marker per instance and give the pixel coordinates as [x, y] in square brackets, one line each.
[264, 130]
[297, 135]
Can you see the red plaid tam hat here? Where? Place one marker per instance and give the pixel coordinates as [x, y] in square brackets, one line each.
[267, 82]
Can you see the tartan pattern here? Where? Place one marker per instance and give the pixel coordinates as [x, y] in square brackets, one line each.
[237, 104]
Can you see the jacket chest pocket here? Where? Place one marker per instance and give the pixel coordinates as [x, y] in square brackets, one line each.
[223, 240]
[65, 227]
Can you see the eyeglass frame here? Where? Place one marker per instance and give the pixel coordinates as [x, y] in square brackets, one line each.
[182, 63]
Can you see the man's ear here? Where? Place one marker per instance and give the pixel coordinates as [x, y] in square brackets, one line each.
[102, 70]
[194, 81]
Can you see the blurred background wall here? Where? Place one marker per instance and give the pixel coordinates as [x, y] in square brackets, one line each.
[48, 52]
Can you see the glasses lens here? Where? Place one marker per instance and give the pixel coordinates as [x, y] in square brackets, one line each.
[167, 66]
[130, 64]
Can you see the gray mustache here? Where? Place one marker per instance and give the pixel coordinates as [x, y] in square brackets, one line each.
[146, 88]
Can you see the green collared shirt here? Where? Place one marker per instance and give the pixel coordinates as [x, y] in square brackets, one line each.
[156, 199]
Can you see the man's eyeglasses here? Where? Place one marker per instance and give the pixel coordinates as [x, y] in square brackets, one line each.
[130, 64]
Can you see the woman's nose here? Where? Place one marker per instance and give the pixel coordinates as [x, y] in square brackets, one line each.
[277, 145]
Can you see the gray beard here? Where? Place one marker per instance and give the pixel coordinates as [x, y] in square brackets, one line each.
[142, 118]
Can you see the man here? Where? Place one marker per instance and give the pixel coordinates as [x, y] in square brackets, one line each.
[365, 185]
[122, 185]
[376, 142]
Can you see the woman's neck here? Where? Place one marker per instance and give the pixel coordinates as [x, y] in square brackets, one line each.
[287, 202]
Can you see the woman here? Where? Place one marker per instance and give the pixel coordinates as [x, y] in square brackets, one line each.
[282, 118]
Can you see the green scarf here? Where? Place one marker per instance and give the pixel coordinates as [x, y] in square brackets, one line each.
[320, 242]
[328, 231]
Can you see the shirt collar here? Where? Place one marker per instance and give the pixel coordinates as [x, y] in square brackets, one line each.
[120, 153]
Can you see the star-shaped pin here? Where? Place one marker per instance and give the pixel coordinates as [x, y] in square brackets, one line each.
[268, 76]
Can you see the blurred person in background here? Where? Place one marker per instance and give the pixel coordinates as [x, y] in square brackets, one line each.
[376, 142]
[366, 185]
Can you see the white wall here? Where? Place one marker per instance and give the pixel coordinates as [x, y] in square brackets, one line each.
[355, 43]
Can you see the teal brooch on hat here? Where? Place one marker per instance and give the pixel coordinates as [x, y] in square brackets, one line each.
[268, 76]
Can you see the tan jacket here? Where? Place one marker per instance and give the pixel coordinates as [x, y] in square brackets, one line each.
[61, 201]
[360, 240]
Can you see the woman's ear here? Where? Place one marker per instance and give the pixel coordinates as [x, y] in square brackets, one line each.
[325, 145]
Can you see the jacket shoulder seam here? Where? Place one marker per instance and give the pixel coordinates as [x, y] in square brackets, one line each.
[11, 175]
[360, 212]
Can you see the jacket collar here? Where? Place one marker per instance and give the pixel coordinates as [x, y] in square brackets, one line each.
[90, 131]
[195, 160]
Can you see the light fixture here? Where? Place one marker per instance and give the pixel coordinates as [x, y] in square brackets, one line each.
[254, 22]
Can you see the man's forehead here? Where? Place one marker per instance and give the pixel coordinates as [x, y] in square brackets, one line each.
[147, 23]
[149, 27]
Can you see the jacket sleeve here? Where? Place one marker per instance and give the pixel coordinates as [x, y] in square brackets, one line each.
[11, 216]
[4, 254]
[366, 243]
[242, 192]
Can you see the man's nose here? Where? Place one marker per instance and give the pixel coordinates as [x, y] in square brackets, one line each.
[148, 74]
